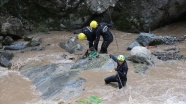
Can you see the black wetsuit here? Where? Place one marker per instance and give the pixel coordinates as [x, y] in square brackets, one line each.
[103, 30]
[90, 34]
[121, 76]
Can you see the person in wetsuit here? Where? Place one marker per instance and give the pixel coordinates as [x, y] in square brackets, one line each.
[121, 69]
[102, 29]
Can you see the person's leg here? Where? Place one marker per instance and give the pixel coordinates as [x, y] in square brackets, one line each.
[123, 81]
[112, 78]
[104, 46]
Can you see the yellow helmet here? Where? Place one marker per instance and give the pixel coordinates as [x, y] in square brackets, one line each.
[93, 24]
[121, 58]
[81, 36]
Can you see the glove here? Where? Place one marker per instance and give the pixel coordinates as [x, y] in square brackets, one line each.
[110, 55]
[116, 69]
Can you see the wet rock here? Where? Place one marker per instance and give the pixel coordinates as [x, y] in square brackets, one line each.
[28, 38]
[71, 46]
[17, 46]
[13, 26]
[169, 40]
[169, 54]
[37, 48]
[8, 40]
[5, 63]
[103, 61]
[140, 68]
[145, 39]
[52, 81]
[34, 43]
[5, 59]
[141, 54]
[77, 31]
[7, 55]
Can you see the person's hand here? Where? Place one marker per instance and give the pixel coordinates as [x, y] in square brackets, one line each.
[112, 22]
[110, 55]
[116, 69]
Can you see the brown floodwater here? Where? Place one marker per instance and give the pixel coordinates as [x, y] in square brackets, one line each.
[163, 83]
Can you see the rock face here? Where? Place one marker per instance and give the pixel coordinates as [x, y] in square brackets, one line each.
[138, 15]
[134, 16]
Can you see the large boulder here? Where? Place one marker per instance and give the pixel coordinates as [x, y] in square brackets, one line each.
[145, 39]
[13, 26]
[141, 54]
[71, 46]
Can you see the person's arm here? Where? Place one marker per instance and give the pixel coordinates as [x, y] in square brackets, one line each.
[111, 24]
[96, 42]
[113, 57]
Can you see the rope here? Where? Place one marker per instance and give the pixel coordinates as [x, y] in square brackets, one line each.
[113, 31]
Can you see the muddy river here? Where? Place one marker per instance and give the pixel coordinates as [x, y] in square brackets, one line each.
[163, 83]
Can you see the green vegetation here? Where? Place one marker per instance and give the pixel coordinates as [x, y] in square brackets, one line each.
[91, 100]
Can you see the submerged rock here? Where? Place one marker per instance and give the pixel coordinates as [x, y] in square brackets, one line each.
[140, 68]
[71, 46]
[169, 54]
[53, 81]
[17, 46]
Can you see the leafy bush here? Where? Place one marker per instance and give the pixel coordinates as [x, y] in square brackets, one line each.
[91, 100]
